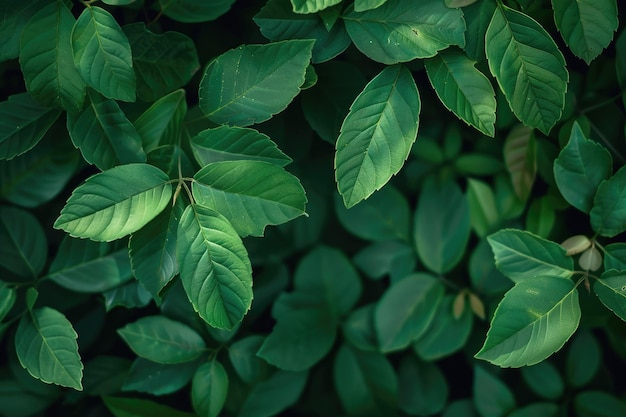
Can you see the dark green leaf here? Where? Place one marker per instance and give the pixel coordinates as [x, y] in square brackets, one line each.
[583, 359]
[249, 367]
[615, 256]
[275, 394]
[540, 217]
[608, 215]
[24, 248]
[191, 11]
[536, 409]
[18, 401]
[544, 380]
[129, 295]
[520, 157]
[611, 290]
[491, 396]
[422, 387]
[484, 275]
[598, 404]
[477, 16]
[168, 158]
[7, 299]
[135, 407]
[161, 123]
[363, 5]
[359, 330]
[104, 375]
[15, 15]
[483, 212]
[388, 257]
[209, 388]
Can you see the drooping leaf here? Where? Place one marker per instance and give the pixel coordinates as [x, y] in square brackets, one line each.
[377, 134]
[191, 11]
[422, 387]
[162, 62]
[312, 6]
[399, 31]
[491, 396]
[251, 83]
[273, 395]
[46, 346]
[158, 378]
[214, 267]
[231, 143]
[250, 194]
[162, 340]
[520, 156]
[103, 134]
[534, 319]
[608, 215]
[102, 54]
[611, 290]
[209, 388]
[463, 89]
[46, 59]
[161, 124]
[544, 380]
[24, 248]
[528, 66]
[23, 122]
[520, 255]
[136, 407]
[115, 203]
[587, 27]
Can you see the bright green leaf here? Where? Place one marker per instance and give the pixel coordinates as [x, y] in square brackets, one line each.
[544, 380]
[611, 290]
[608, 215]
[520, 157]
[161, 123]
[363, 5]
[492, 397]
[312, 6]
[277, 393]
[377, 134]
[422, 387]
[209, 388]
[135, 407]
[192, 11]
[24, 248]
[158, 378]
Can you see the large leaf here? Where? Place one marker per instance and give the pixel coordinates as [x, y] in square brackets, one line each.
[400, 31]
[534, 319]
[23, 122]
[377, 134]
[520, 156]
[608, 215]
[46, 59]
[163, 340]
[162, 62]
[102, 54]
[214, 267]
[528, 66]
[249, 84]
[24, 248]
[103, 134]
[161, 124]
[192, 11]
[250, 194]
[586, 26]
[463, 89]
[520, 255]
[611, 290]
[46, 346]
[209, 388]
[580, 168]
[115, 203]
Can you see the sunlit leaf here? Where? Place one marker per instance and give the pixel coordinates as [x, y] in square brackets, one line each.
[312, 6]
[363, 5]
[209, 388]
[608, 215]
[24, 248]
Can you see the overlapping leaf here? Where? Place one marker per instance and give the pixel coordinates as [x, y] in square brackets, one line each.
[363, 5]
[477, 17]
[24, 248]
[528, 66]
[15, 15]
[377, 134]
[161, 124]
[249, 84]
[191, 11]
[312, 6]
[608, 215]
[611, 289]
[115, 203]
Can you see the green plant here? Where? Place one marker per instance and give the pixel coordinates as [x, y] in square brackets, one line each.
[152, 143]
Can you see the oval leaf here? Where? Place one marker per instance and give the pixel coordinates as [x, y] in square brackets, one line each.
[608, 215]
[24, 248]
[209, 388]
[161, 123]
[273, 395]
[611, 290]
[192, 11]
[520, 156]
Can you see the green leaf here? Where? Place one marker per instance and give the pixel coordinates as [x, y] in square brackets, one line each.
[365, 381]
[520, 255]
[534, 319]
[24, 248]
[161, 123]
[162, 340]
[477, 17]
[231, 143]
[18, 400]
[46, 346]
[363, 5]
[483, 212]
[540, 217]
[214, 267]
[580, 168]
[135, 407]
[598, 404]
[611, 290]
[251, 194]
[158, 378]
[91, 267]
[312, 6]
[536, 409]
[275, 394]
[491, 396]
[105, 374]
[248, 366]
[209, 388]
[108, 206]
[102, 54]
[442, 225]
[484, 275]
[358, 328]
[7, 299]
[23, 122]
[44, 56]
[463, 89]
[104, 135]
[168, 158]
[191, 11]
[377, 134]
[608, 215]
[128, 295]
[615, 256]
[387, 257]
[528, 66]
[422, 387]
[15, 15]
[520, 156]
[587, 27]
[162, 62]
[406, 309]
[254, 81]
[399, 31]
[583, 359]
[544, 380]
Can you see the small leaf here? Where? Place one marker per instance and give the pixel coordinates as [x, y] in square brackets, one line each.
[102, 54]
[491, 396]
[534, 319]
[46, 346]
[161, 123]
[611, 290]
[590, 260]
[377, 134]
[477, 306]
[358, 328]
[24, 249]
[608, 215]
[249, 367]
[191, 11]
[214, 267]
[162, 340]
[520, 155]
[458, 306]
[576, 244]
[209, 388]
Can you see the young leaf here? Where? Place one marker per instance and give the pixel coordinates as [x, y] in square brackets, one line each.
[520, 155]
[102, 54]
[23, 122]
[231, 143]
[24, 249]
[399, 31]
[268, 398]
[162, 62]
[115, 203]
[463, 89]
[528, 66]
[580, 168]
[377, 134]
[191, 11]
[422, 387]
[250, 84]
[161, 123]
[46, 346]
[534, 319]
[587, 28]
[136, 407]
[209, 388]
[162, 340]
[611, 290]
[104, 135]
[491, 396]
[46, 59]
[608, 215]
[520, 255]
[214, 267]
[251, 194]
